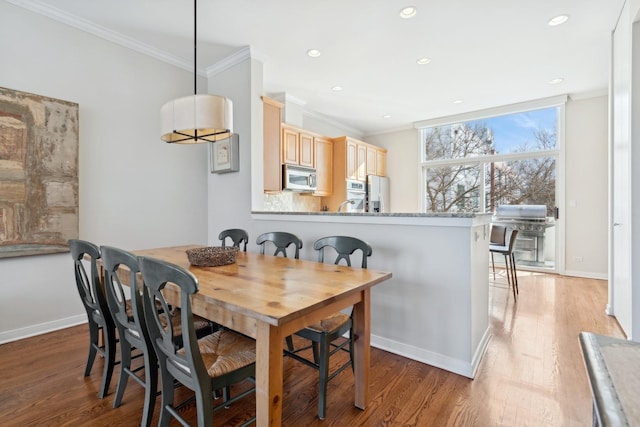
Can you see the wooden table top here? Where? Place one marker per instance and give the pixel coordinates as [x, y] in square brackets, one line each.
[272, 289]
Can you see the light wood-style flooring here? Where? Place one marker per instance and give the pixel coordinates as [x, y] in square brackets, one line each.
[531, 375]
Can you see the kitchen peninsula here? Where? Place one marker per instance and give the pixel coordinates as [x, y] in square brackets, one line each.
[435, 308]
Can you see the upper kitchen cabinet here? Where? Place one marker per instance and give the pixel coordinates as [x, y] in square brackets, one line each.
[381, 162]
[359, 159]
[297, 147]
[272, 117]
[324, 166]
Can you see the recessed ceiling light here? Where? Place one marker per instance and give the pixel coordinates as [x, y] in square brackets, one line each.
[556, 81]
[314, 53]
[458, 101]
[386, 116]
[423, 61]
[408, 12]
[336, 88]
[560, 19]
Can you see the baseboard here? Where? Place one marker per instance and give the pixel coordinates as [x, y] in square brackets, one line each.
[480, 350]
[457, 366]
[42, 328]
[586, 274]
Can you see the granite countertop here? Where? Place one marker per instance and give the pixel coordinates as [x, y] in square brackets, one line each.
[377, 214]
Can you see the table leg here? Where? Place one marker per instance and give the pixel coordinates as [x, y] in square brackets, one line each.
[268, 375]
[361, 349]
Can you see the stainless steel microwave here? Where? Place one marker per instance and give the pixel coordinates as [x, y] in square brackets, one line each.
[296, 178]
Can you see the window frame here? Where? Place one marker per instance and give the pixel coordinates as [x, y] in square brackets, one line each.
[557, 102]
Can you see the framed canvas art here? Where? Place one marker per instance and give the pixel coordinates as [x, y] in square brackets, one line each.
[38, 174]
[224, 155]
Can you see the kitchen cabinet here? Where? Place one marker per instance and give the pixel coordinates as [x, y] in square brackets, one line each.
[297, 147]
[353, 159]
[324, 165]
[307, 150]
[272, 118]
[361, 161]
[372, 155]
[381, 162]
[290, 145]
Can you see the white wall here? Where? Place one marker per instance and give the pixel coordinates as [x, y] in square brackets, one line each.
[586, 187]
[135, 190]
[403, 168]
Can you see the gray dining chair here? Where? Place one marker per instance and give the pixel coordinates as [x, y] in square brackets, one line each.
[213, 362]
[237, 236]
[132, 329]
[326, 336]
[281, 240]
[95, 303]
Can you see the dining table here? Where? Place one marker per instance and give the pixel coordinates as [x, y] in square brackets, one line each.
[269, 298]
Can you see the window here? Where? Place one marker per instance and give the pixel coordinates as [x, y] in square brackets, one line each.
[477, 164]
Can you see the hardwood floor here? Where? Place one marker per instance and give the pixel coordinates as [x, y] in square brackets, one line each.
[531, 375]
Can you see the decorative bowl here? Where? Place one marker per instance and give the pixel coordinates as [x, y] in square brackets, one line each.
[212, 256]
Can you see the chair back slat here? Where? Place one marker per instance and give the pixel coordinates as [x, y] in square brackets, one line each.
[237, 236]
[88, 282]
[114, 260]
[281, 240]
[498, 235]
[345, 246]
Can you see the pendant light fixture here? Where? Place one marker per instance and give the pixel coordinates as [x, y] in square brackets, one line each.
[198, 118]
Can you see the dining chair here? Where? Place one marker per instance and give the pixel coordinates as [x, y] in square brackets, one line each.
[237, 236]
[509, 260]
[326, 336]
[132, 329]
[213, 362]
[498, 237]
[86, 254]
[282, 240]
[121, 270]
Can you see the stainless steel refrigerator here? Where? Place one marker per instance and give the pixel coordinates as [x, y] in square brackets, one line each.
[377, 199]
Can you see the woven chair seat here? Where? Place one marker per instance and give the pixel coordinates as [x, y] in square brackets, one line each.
[225, 351]
[199, 323]
[330, 323]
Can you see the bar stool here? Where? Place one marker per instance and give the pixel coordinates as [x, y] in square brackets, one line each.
[509, 260]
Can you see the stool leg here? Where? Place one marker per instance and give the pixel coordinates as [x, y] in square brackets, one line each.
[493, 266]
[515, 275]
[506, 266]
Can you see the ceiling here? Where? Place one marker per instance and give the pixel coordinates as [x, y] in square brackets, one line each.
[484, 53]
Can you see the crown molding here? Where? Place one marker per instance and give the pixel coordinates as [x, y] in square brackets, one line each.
[234, 59]
[577, 96]
[99, 31]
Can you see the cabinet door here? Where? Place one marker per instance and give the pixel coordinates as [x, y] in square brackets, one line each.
[381, 162]
[361, 172]
[324, 166]
[272, 117]
[352, 160]
[371, 160]
[306, 152]
[290, 153]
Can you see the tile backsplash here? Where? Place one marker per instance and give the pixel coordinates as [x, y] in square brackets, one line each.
[289, 201]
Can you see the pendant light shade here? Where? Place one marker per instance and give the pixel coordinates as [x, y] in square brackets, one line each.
[196, 119]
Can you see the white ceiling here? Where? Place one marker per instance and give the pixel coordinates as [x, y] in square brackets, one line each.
[487, 53]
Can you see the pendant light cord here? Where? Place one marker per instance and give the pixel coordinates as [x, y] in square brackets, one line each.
[195, 47]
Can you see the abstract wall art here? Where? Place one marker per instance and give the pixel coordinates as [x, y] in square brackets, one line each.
[38, 174]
